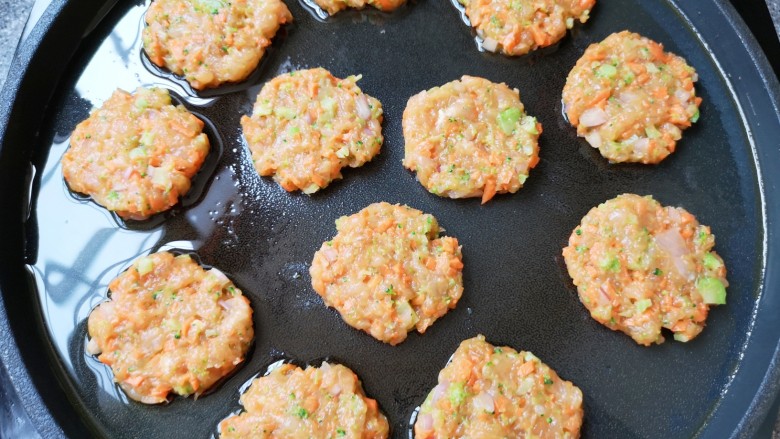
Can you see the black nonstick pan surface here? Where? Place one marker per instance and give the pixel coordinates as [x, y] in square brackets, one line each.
[59, 251]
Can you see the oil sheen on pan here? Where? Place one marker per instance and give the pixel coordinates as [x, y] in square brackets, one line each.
[516, 288]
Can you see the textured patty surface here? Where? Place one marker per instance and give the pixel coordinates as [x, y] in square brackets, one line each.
[333, 6]
[516, 27]
[470, 138]
[308, 125]
[170, 326]
[210, 42]
[388, 272]
[497, 392]
[640, 267]
[136, 154]
[315, 403]
[630, 99]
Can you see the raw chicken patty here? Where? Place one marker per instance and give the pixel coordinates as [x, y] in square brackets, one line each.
[640, 267]
[497, 392]
[211, 42]
[170, 326]
[516, 27]
[388, 272]
[630, 99]
[136, 154]
[325, 402]
[307, 125]
[470, 138]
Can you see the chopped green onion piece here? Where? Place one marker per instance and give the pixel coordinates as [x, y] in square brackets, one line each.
[711, 262]
[652, 132]
[528, 124]
[145, 265]
[457, 394]
[642, 305]
[606, 71]
[508, 118]
[695, 117]
[285, 112]
[712, 291]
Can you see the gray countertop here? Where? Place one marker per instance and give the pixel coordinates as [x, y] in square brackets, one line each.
[13, 17]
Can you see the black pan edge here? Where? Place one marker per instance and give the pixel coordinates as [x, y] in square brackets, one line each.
[25, 356]
[751, 98]
[35, 74]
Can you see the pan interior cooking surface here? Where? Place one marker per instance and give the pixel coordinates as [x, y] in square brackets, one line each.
[517, 291]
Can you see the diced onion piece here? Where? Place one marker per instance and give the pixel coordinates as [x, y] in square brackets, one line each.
[490, 44]
[145, 265]
[93, 348]
[485, 402]
[425, 422]
[682, 95]
[363, 110]
[593, 117]
[330, 254]
[672, 242]
[594, 138]
[440, 390]
[641, 145]
[406, 314]
[222, 280]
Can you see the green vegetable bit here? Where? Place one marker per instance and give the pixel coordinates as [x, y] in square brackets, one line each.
[507, 119]
[457, 394]
[711, 262]
[606, 71]
[712, 291]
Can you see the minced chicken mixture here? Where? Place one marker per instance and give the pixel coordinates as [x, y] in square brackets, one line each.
[211, 42]
[136, 154]
[388, 272]
[630, 99]
[325, 402]
[640, 267]
[470, 138]
[307, 125]
[170, 326]
[516, 27]
[497, 392]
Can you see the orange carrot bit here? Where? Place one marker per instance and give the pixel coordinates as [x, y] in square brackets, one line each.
[527, 368]
[540, 37]
[456, 263]
[600, 97]
[657, 51]
[135, 380]
[490, 190]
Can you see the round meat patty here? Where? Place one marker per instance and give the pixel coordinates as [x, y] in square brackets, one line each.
[307, 125]
[388, 272]
[169, 325]
[136, 155]
[470, 138]
[640, 267]
[334, 6]
[210, 42]
[630, 99]
[516, 27]
[491, 392]
[317, 403]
